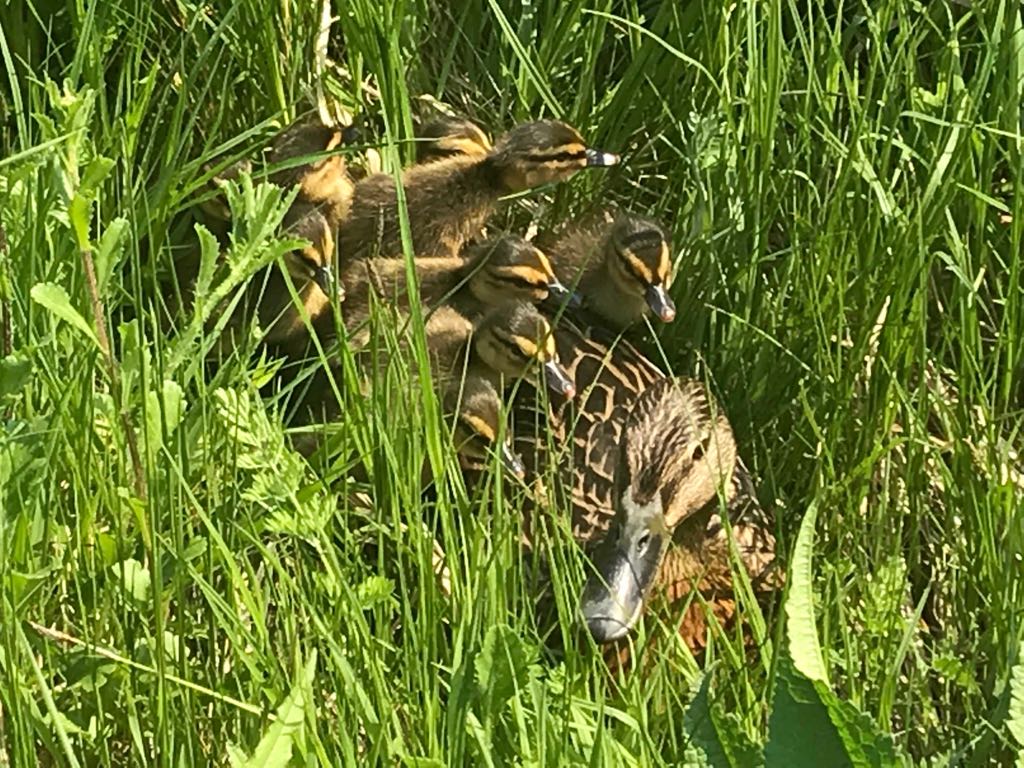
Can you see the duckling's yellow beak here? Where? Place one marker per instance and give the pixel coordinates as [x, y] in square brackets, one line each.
[661, 303]
[511, 461]
[596, 158]
[558, 380]
[625, 564]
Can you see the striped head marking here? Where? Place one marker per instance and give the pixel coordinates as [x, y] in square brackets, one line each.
[478, 423]
[316, 260]
[509, 267]
[516, 339]
[537, 153]
[641, 263]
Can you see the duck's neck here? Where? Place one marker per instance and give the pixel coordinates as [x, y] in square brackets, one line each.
[449, 202]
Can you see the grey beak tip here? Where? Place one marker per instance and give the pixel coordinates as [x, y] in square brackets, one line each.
[596, 158]
[563, 296]
[661, 303]
[558, 380]
[324, 278]
[605, 629]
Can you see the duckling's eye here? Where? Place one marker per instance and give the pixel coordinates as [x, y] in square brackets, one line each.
[522, 282]
[560, 157]
[698, 452]
[310, 263]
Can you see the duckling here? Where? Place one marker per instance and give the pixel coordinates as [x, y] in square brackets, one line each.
[448, 137]
[449, 201]
[507, 344]
[488, 273]
[478, 422]
[324, 182]
[311, 272]
[621, 267]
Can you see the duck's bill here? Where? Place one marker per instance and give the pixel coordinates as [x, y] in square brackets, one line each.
[562, 296]
[599, 159]
[661, 303]
[558, 380]
[613, 597]
[324, 278]
[626, 565]
[511, 461]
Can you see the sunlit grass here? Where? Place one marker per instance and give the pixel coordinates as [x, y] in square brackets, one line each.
[841, 185]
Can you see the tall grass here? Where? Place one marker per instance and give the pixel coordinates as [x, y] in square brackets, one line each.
[841, 181]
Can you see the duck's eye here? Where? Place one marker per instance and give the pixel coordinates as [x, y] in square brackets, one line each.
[308, 261]
[560, 157]
[524, 283]
[698, 452]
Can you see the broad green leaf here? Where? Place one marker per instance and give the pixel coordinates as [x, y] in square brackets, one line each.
[275, 748]
[374, 591]
[502, 667]
[108, 249]
[209, 251]
[801, 629]
[800, 731]
[15, 370]
[136, 360]
[807, 712]
[705, 747]
[80, 208]
[54, 298]
[135, 578]
[164, 412]
[865, 744]
[1015, 717]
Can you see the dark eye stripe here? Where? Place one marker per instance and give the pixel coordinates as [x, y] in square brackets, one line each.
[521, 282]
[651, 239]
[509, 342]
[558, 157]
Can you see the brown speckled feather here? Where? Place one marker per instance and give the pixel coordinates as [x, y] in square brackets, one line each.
[584, 448]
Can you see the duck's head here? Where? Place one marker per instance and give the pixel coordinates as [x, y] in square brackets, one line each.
[509, 268]
[316, 261]
[639, 261]
[538, 153]
[450, 137]
[515, 339]
[215, 205]
[297, 156]
[677, 454]
[478, 423]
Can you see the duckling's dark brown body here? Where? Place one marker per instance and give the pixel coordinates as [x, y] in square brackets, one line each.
[449, 201]
[619, 263]
[487, 274]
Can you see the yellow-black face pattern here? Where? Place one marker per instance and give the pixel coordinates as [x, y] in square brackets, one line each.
[642, 262]
[545, 151]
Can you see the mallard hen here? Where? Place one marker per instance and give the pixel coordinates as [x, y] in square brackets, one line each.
[660, 444]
